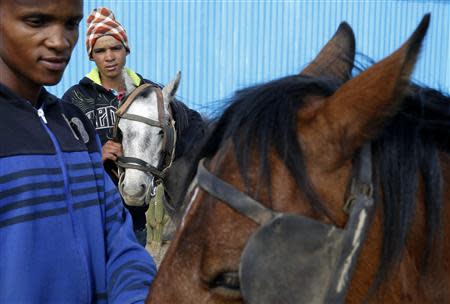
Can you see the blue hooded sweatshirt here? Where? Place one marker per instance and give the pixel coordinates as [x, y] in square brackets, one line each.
[64, 234]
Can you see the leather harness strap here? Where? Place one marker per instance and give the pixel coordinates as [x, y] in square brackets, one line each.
[160, 99]
[130, 98]
[239, 201]
[139, 164]
[122, 110]
[288, 240]
[165, 122]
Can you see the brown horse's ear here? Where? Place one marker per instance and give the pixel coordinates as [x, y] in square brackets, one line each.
[335, 60]
[358, 109]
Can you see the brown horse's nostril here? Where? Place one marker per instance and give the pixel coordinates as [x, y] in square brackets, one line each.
[226, 285]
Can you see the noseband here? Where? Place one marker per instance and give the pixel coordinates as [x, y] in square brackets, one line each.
[165, 122]
[295, 259]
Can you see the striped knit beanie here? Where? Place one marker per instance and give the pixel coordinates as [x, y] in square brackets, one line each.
[101, 22]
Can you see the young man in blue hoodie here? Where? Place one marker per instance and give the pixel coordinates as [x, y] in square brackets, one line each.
[65, 236]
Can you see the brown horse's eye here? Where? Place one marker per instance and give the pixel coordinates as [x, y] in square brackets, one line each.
[227, 285]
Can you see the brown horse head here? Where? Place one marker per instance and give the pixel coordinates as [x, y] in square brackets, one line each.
[289, 144]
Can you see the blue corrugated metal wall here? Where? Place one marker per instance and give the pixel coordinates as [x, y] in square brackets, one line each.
[221, 46]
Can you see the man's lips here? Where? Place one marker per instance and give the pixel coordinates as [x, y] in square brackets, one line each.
[111, 67]
[56, 63]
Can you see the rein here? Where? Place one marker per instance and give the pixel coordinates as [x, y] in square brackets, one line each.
[307, 261]
[165, 122]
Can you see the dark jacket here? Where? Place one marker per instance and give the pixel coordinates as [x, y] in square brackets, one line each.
[98, 103]
[65, 236]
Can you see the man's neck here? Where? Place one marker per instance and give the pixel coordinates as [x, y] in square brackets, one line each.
[20, 85]
[117, 84]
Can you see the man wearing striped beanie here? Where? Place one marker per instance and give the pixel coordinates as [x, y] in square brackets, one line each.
[99, 93]
[102, 22]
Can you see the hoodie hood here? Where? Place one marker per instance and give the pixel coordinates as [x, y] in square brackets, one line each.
[94, 76]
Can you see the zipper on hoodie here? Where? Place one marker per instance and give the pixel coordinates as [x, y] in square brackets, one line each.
[41, 115]
[59, 153]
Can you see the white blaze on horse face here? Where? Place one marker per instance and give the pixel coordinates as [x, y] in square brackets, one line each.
[140, 141]
[191, 202]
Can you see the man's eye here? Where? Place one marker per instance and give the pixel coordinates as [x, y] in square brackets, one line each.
[35, 22]
[73, 24]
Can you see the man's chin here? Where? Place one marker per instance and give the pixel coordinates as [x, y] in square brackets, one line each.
[51, 81]
[110, 74]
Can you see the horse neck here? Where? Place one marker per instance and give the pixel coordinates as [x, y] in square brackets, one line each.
[445, 163]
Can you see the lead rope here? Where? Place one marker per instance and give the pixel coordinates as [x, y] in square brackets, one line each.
[157, 218]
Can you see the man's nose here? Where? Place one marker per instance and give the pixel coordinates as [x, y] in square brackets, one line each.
[58, 39]
[109, 56]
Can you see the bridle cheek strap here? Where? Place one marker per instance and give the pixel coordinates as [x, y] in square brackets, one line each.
[296, 259]
[236, 199]
[165, 122]
[123, 107]
[139, 164]
[169, 144]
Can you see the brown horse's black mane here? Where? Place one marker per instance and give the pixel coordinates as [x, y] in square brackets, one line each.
[407, 145]
[265, 117]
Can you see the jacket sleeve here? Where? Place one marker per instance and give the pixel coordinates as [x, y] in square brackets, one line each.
[130, 269]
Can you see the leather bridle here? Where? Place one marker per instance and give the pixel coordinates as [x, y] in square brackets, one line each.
[165, 122]
[331, 253]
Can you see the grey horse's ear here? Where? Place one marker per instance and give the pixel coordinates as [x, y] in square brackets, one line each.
[171, 88]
